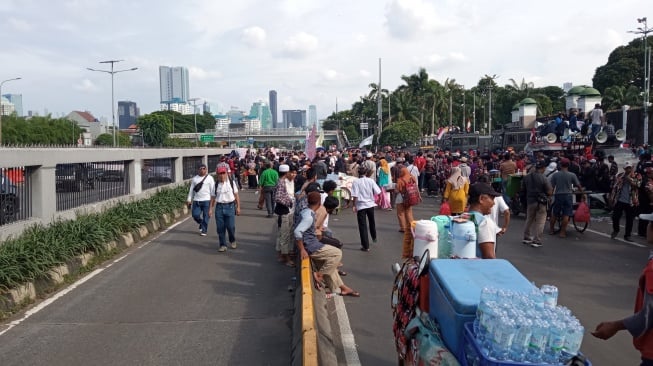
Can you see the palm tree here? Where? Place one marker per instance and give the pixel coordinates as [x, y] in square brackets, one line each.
[521, 90]
[437, 99]
[417, 86]
[403, 104]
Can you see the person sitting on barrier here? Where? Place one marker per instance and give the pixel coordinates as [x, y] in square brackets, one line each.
[327, 257]
[481, 200]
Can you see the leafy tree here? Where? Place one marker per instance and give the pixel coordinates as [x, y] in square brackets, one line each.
[39, 130]
[616, 96]
[352, 133]
[106, 139]
[625, 67]
[401, 133]
[155, 128]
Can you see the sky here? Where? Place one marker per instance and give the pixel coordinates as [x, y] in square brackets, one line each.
[309, 51]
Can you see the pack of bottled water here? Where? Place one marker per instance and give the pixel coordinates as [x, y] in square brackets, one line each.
[526, 327]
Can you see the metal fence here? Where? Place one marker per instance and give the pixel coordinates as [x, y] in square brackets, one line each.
[15, 194]
[190, 165]
[79, 184]
[212, 162]
[157, 172]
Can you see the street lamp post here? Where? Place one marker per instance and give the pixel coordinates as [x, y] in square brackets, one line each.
[2, 111]
[463, 127]
[194, 100]
[113, 109]
[645, 30]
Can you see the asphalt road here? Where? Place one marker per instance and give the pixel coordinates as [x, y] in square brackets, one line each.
[176, 301]
[173, 301]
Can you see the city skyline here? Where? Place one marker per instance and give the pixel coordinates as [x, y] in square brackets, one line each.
[240, 59]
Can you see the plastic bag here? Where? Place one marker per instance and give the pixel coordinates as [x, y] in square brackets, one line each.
[582, 213]
[427, 347]
[445, 209]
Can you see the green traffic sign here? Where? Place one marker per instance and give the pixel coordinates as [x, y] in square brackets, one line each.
[206, 138]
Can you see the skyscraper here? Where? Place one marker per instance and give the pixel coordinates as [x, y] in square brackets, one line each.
[127, 114]
[17, 100]
[261, 111]
[173, 84]
[294, 118]
[273, 108]
[312, 116]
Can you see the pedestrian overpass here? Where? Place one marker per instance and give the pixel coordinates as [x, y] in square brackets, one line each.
[240, 137]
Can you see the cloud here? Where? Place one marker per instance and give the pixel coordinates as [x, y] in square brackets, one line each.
[360, 37]
[330, 74]
[19, 25]
[364, 73]
[406, 19]
[437, 59]
[201, 74]
[85, 86]
[254, 36]
[300, 45]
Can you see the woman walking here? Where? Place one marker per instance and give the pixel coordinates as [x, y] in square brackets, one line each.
[385, 182]
[404, 212]
[455, 192]
[284, 208]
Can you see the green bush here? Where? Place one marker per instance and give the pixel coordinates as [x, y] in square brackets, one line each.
[41, 248]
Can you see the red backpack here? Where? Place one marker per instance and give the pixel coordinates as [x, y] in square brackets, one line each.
[411, 193]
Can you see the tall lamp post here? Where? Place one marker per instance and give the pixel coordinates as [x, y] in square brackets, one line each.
[194, 100]
[113, 108]
[463, 127]
[645, 30]
[2, 109]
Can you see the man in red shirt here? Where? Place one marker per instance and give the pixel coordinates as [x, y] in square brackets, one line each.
[420, 163]
[640, 324]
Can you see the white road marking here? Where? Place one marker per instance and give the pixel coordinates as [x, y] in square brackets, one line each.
[619, 239]
[79, 282]
[346, 334]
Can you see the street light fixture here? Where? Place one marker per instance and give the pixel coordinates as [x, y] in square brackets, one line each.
[113, 109]
[195, 117]
[2, 109]
[645, 30]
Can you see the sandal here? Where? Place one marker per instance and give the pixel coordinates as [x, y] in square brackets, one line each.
[352, 294]
[290, 264]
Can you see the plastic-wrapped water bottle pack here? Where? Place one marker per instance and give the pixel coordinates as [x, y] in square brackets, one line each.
[526, 327]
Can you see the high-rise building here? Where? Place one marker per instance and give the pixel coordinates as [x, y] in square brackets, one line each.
[273, 108]
[174, 84]
[17, 101]
[127, 114]
[6, 107]
[235, 115]
[261, 111]
[567, 86]
[312, 116]
[295, 118]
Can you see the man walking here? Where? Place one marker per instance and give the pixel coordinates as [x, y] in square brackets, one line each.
[225, 201]
[562, 183]
[199, 197]
[362, 192]
[268, 182]
[538, 190]
[625, 198]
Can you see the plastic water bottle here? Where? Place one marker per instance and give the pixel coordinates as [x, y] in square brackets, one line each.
[491, 318]
[557, 333]
[521, 339]
[574, 338]
[487, 294]
[550, 295]
[538, 299]
[503, 336]
[538, 341]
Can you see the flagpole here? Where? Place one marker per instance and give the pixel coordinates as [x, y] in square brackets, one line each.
[378, 106]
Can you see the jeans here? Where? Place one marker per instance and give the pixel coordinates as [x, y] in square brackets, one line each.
[200, 212]
[225, 219]
[361, 216]
[268, 193]
[618, 209]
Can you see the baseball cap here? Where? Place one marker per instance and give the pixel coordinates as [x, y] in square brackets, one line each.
[222, 168]
[369, 155]
[283, 168]
[478, 189]
[201, 166]
[628, 165]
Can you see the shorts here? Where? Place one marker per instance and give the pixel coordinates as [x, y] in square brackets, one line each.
[562, 205]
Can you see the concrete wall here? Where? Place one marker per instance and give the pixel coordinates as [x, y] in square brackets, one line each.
[44, 161]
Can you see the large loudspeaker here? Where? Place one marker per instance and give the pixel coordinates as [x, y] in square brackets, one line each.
[620, 135]
[551, 137]
[601, 137]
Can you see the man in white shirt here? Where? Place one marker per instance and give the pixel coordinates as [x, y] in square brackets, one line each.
[225, 200]
[596, 115]
[362, 192]
[199, 198]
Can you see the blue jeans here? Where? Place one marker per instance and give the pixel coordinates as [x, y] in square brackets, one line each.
[200, 212]
[268, 192]
[225, 219]
[595, 130]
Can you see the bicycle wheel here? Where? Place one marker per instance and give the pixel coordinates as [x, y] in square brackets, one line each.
[579, 226]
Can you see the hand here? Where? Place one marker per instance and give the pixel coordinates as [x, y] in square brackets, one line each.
[502, 231]
[606, 330]
[210, 213]
[303, 253]
[354, 208]
[238, 211]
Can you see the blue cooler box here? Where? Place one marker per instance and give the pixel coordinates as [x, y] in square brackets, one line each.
[455, 290]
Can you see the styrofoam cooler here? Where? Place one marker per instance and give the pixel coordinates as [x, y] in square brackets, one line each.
[426, 237]
[455, 290]
[444, 235]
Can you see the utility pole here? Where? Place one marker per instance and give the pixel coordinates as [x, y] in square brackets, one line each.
[463, 127]
[645, 30]
[490, 80]
[378, 106]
